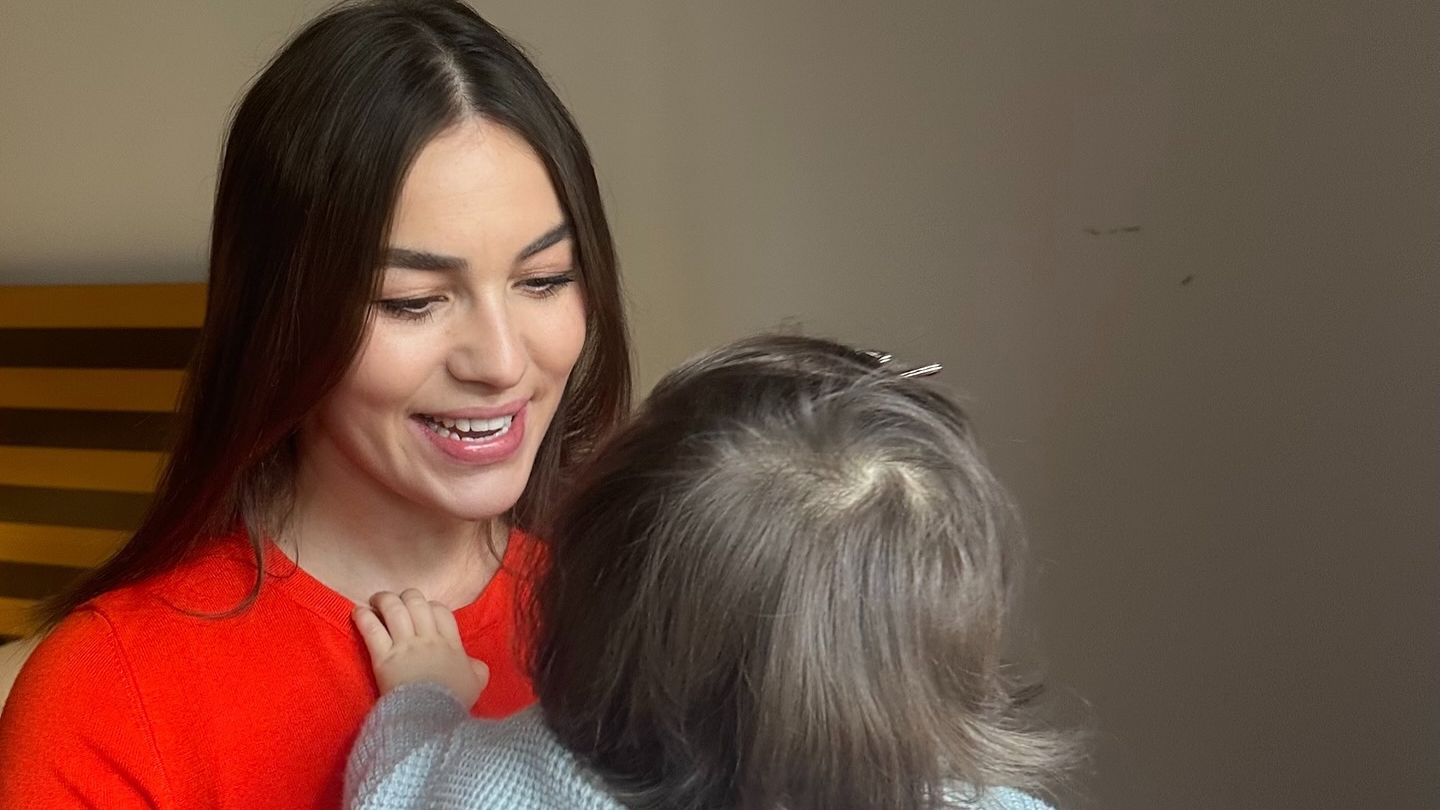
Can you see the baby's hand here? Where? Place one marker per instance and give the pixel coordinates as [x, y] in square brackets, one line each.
[418, 640]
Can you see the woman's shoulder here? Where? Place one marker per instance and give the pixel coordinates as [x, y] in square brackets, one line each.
[84, 647]
[80, 642]
[74, 722]
[94, 639]
[160, 607]
[78, 676]
[217, 575]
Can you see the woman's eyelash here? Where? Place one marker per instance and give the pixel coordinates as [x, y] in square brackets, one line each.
[409, 308]
[415, 309]
[546, 286]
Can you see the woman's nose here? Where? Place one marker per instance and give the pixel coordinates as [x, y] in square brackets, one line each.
[488, 348]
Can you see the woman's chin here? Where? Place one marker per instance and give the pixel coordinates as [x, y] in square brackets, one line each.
[478, 506]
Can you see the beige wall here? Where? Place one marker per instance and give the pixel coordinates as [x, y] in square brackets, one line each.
[1221, 425]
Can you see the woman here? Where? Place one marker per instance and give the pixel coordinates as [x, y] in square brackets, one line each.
[413, 329]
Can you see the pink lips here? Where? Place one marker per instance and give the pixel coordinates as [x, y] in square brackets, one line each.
[478, 453]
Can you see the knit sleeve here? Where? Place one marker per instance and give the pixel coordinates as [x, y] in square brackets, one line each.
[1011, 799]
[74, 732]
[402, 741]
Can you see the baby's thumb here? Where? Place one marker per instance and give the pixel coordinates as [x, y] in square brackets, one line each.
[482, 672]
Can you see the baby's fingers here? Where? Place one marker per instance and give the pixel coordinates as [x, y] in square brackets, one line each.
[395, 615]
[421, 616]
[446, 625]
[372, 631]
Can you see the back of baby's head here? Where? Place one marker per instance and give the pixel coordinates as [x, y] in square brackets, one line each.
[783, 585]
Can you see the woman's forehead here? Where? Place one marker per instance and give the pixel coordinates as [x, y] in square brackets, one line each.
[478, 191]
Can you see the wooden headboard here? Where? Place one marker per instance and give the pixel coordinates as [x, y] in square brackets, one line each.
[88, 382]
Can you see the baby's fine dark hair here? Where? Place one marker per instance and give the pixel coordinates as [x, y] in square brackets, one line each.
[783, 585]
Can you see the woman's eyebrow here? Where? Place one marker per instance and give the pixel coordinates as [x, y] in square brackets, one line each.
[407, 259]
[550, 238]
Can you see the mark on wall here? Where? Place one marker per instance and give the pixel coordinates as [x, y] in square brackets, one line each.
[1112, 231]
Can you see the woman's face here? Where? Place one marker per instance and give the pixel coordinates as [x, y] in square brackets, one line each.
[479, 320]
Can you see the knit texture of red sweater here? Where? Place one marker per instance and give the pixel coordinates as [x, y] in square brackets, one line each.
[132, 702]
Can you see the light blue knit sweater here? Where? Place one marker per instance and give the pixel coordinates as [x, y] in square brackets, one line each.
[419, 748]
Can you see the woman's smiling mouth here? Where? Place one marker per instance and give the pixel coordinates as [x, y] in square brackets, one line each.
[468, 430]
[475, 439]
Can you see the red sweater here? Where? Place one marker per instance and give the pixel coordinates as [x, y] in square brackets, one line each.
[131, 702]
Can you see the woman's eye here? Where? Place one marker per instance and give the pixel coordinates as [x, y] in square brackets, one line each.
[409, 308]
[546, 286]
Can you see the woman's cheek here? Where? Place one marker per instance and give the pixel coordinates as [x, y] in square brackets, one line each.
[572, 341]
[394, 361]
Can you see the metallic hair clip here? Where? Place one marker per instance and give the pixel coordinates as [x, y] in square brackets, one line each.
[923, 371]
[881, 358]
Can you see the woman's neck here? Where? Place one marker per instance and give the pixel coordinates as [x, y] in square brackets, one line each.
[359, 537]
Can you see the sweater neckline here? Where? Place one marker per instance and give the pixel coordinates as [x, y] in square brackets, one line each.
[289, 577]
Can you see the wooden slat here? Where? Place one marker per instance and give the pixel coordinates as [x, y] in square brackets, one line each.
[20, 580]
[14, 616]
[72, 507]
[97, 348]
[58, 545]
[92, 430]
[90, 389]
[104, 470]
[102, 305]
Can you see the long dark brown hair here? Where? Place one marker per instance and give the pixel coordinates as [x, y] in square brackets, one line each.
[315, 159]
[783, 585]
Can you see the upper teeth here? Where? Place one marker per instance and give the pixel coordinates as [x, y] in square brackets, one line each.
[477, 425]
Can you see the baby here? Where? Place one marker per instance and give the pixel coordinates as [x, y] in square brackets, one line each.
[782, 585]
